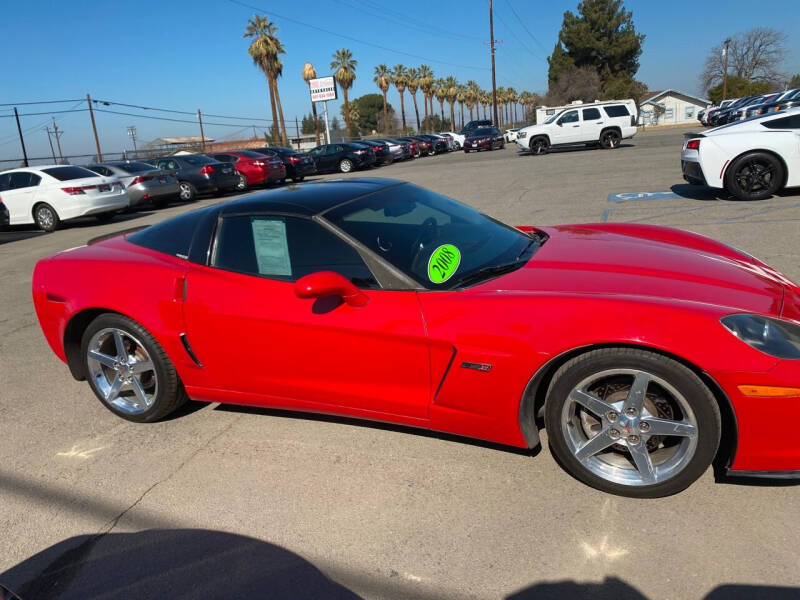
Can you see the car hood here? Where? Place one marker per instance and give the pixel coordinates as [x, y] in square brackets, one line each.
[647, 261]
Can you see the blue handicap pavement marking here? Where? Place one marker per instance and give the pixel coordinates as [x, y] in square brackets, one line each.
[641, 196]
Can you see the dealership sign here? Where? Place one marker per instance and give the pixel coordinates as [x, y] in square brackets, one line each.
[322, 88]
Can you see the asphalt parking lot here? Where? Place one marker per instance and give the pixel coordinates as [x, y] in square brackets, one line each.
[227, 501]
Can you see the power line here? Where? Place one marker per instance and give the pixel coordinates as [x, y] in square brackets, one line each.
[42, 102]
[177, 112]
[194, 122]
[405, 21]
[49, 112]
[516, 37]
[356, 40]
[525, 27]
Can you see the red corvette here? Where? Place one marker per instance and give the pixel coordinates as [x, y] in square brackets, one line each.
[646, 352]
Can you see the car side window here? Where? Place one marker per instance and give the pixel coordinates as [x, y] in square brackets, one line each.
[19, 180]
[616, 110]
[173, 165]
[5, 181]
[317, 151]
[591, 114]
[286, 249]
[790, 122]
[569, 117]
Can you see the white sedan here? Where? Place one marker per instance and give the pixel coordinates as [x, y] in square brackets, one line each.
[750, 159]
[50, 194]
[457, 137]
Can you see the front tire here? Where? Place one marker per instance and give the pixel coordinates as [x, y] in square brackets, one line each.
[631, 422]
[754, 176]
[539, 145]
[46, 217]
[297, 179]
[129, 371]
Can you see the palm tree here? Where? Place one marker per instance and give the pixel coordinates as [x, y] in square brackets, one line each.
[383, 78]
[501, 91]
[276, 66]
[486, 101]
[451, 86]
[473, 89]
[461, 96]
[412, 82]
[310, 73]
[440, 91]
[426, 80]
[512, 97]
[399, 79]
[344, 71]
[264, 50]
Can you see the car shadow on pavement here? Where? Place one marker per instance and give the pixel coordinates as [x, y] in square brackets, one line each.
[16, 233]
[169, 563]
[699, 192]
[577, 148]
[428, 433]
[615, 589]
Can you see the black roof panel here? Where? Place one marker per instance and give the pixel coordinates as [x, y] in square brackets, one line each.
[309, 198]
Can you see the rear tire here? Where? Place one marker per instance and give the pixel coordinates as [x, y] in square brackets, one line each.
[345, 165]
[105, 217]
[242, 185]
[151, 389]
[610, 139]
[186, 191]
[754, 176]
[298, 179]
[46, 217]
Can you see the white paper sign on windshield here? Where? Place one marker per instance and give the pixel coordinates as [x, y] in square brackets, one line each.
[272, 247]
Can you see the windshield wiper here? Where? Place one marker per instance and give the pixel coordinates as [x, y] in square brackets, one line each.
[487, 272]
[525, 249]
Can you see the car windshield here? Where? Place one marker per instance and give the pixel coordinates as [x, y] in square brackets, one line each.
[134, 167]
[483, 131]
[554, 117]
[438, 242]
[67, 173]
[249, 154]
[199, 159]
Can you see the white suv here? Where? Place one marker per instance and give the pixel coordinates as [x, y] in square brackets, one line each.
[604, 123]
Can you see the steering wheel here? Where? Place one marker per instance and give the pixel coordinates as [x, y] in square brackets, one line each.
[428, 232]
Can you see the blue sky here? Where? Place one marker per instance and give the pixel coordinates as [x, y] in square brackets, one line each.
[187, 55]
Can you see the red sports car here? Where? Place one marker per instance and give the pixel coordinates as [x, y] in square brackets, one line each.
[645, 352]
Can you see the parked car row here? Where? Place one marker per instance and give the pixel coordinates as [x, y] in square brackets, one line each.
[737, 109]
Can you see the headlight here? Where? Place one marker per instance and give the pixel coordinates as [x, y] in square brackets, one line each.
[522, 135]
[775, 337]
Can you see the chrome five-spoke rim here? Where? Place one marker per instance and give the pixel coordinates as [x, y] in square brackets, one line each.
[629, 427]
[122, 370]
[45, 217]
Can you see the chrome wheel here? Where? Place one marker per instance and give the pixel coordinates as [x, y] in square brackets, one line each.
[122, 371]
[46, 218]
[186, 192]
[629, 427]
[242, 184]
[345, 166]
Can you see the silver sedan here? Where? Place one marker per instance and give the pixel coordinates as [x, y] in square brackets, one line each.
[145, 183]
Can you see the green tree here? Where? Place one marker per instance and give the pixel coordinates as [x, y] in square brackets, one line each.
[601, 36]
[383, 79]
[451, 86]
[738, 87]
[794, 82]
[264, 50]
[308, 74]
[426, 81]
[434, 122]
[370, 112]
[344, 71]
[307, 124]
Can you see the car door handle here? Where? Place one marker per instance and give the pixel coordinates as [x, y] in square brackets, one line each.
[576, 125]
[598, 123]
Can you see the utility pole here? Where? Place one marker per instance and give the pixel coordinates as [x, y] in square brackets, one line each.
[58, 135]
[327, 128]
[491, 44]
[49, 139]
[202, 135]
[132, 134]
[21, 140]
[94, 128]
[297, 131]
[725, 70]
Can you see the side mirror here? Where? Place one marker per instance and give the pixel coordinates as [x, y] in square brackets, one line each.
[559, 123]
[328, 283]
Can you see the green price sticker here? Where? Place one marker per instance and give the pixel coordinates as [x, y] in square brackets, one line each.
[443, 263]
